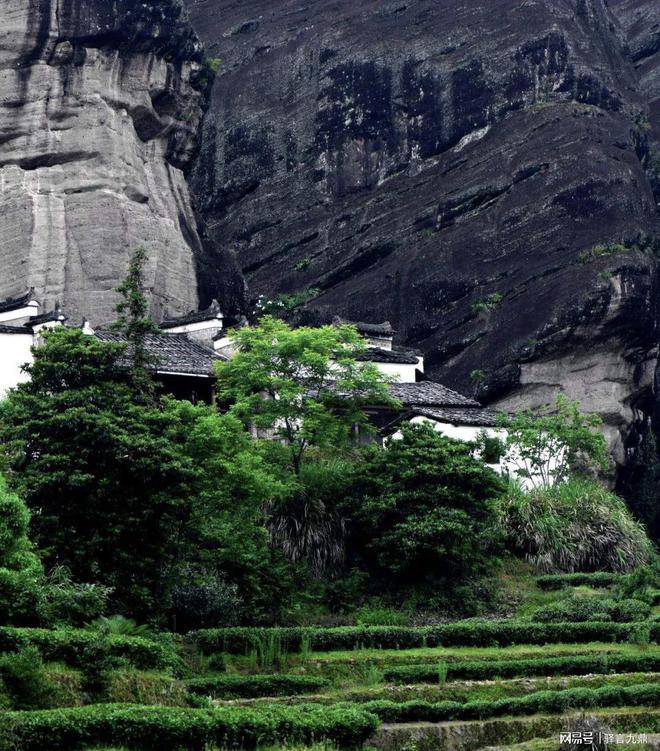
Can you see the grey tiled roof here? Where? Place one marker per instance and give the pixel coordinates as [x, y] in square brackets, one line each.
[430, 394]
[15, 330]
[13, 303]
[375, 354]
[174, 353]
[53, 315]
[481, 417]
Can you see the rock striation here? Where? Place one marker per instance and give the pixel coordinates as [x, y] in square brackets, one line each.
[100, 105]
[488, 181]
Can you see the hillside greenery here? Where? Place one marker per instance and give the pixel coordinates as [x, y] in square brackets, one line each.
[173, 577]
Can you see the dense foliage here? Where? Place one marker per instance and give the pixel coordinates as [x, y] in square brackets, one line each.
[305, 385]
[541, 701]
[158, 728]
[575, 526]
[125, 514]
[421, 513]
[481, 670]
[96, 467]
[473, 633]
[550, 444]
[20, 568]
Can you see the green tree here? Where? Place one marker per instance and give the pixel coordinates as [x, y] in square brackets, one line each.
[547, 445]
[305, 385]
[422, 511]
[225, 537]
[107, 488]
[21, 572]
[136, 324]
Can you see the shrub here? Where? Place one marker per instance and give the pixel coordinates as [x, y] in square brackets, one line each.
[541, 701]
[593, 579]
[24, 679]
[574, 526]
[20, 596]
[96, 662]
[488, 304]
[475, 670]
[421, 513]
[251, 686]
[470, 633]
[374, 616]
[204, 599]
[577, 609]
[627, 611]
[20, 569]
[119, 625]
[157, 728]
[67, 602]
[74, 646]
[580, 609]
[641, 634]
[640, 584]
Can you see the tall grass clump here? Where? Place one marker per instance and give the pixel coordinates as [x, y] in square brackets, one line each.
[576, 525]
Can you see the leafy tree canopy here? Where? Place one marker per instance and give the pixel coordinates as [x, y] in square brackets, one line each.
[422, 510]
[548, 444]
[20, 567]
[136, 324]
[225, 534]
[305, 385]
[95, 467]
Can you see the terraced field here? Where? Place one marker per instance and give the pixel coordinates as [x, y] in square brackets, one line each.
[421, 707]
[511, 684]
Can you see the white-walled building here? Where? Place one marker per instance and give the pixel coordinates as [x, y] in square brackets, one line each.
[15, 344]
[183, 354]
[21, 324]
[202, 326]
[426, 402]
[188, 348]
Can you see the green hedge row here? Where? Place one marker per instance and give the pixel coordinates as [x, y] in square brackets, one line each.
[461, 633]
[593, 609]
[475, 670]
[550, 702]
[175, 729]
[595, 579]
[252, 686]
[77, 647]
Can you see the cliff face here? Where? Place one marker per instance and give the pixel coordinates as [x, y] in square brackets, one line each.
[482, 179]
[100, 105]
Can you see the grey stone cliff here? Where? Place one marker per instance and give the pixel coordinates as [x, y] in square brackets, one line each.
[100, 104]
[482, 174]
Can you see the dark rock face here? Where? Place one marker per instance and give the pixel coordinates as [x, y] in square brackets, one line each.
[640, 20]
[100, 106]
[481, 174]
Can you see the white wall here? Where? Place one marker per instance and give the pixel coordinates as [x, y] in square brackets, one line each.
[380, 342]
[200, 331]
[196, 327]
[510, 463]
[19, 316]
[14, 352]
[401, 372]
